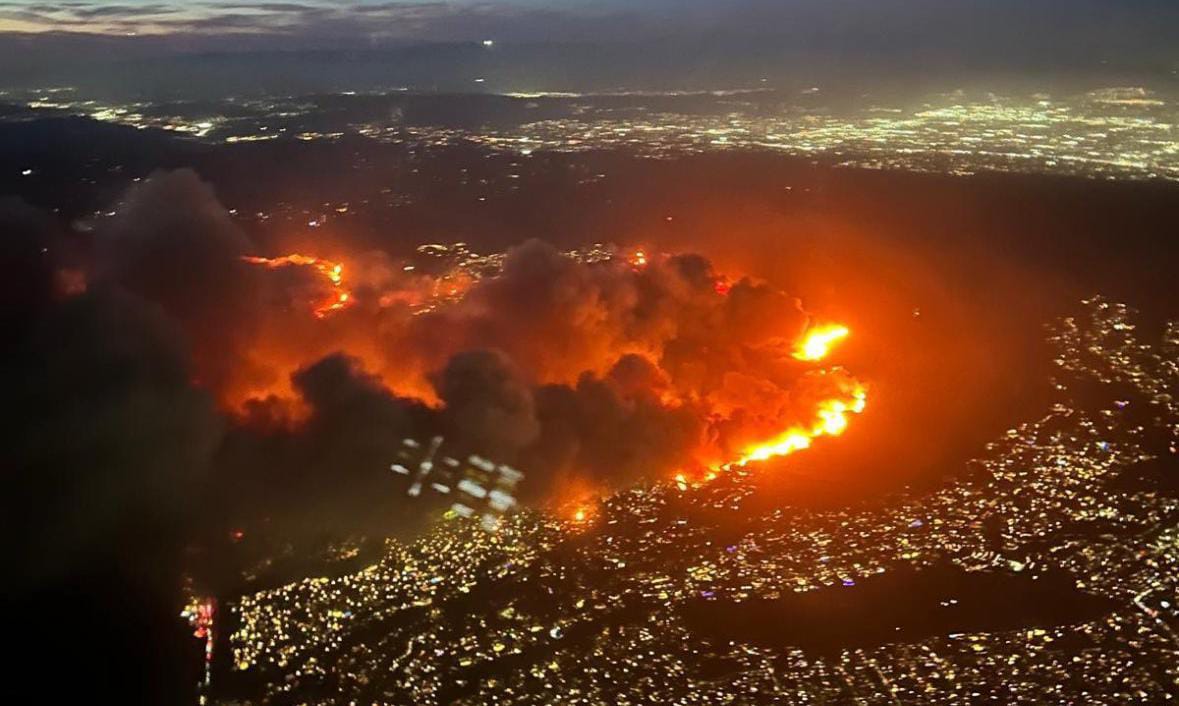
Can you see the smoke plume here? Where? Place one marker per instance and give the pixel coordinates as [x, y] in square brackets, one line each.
[586, 371]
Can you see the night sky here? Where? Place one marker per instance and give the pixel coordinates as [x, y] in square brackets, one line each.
[1146, 24]
[581, 45]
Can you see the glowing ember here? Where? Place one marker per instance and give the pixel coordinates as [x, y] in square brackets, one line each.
[582, 515]
[332, 271]
[818, 341]
[638, 259]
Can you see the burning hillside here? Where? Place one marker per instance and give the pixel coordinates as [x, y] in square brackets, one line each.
[651, 339]
[589, 369]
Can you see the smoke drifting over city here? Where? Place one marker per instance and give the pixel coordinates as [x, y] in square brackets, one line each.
[586, 373]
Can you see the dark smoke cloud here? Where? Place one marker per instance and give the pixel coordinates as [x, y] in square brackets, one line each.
[173, 244]
[587, 374]
[27, 288]
[488, 403]
[329, 474]
[553, 317]
[108, 436]
[613, 430]
[104, 429]
[105, 445]
[557, 318]
[601, 370]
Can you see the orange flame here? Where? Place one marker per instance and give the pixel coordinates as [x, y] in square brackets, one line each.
[333, 271]
[831, 420]
[831, 416]
[817, 342]
[582, 516]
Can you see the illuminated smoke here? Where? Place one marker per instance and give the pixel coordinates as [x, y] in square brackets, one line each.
[332, 271]
[623, 367]
[588, 369]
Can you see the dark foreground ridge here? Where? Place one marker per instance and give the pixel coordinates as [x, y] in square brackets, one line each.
[904, 605]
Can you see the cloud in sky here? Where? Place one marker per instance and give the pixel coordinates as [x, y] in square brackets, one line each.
[1034, 20]
[705, 42]
[327, 20]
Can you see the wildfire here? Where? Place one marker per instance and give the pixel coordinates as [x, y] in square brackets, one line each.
[821, 409]
[332, 271]
[818, 341]
[831, 416]
[582, 515]
[831, 420]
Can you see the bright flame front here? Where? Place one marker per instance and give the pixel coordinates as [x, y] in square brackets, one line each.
[818, 341]
[831, 420]
[831, 415]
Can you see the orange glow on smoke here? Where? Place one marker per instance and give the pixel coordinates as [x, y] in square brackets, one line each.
[747, 421]
[332, 271]
[818, 341]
